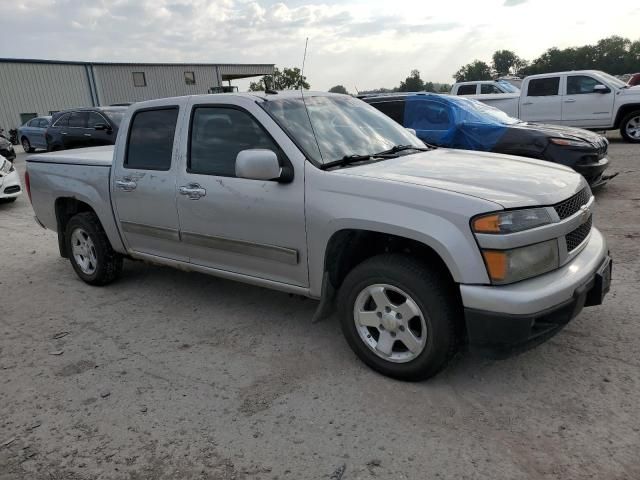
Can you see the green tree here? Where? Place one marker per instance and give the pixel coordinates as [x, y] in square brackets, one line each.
[339, 89]
[506, 62]
[413, 83]
[287, 79]
[615, 55]
[476, 70]
[444, 88]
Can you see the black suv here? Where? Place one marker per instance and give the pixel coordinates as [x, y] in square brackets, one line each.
[84, 127]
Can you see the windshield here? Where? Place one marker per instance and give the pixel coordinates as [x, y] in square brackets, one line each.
[616, 82]
[507, 87]
[115, 116]
[343, 126]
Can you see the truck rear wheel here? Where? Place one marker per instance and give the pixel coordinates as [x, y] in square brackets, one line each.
[90, 252]
[399, 316]
[630, 127]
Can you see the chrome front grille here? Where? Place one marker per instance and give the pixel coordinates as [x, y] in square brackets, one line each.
[571, 205]
[577, 236]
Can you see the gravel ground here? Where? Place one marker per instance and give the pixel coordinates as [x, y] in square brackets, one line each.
[174, 375]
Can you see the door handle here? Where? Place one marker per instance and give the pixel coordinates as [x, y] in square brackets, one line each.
[126, 185]
[193, 191]
[87, 134]
[63, 133]
[527, 103]
[570, 100]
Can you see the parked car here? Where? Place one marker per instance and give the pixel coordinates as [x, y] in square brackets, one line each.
[10, 187]
[32, 134]
[85, 127]
[587, 98]
[483, 87]
[634, 80]
[465, 123]
[325, 196]
[6, 149]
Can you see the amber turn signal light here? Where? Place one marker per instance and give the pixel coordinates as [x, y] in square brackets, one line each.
[496, 264]
[487, 224]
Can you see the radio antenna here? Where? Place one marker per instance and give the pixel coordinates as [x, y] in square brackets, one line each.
[304, 59]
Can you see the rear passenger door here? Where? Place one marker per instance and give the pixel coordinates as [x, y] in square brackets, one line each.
[75, 135]
[250, 227]
[144, 183]
[541, 101]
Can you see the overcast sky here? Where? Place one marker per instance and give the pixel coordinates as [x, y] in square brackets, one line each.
[357, 43]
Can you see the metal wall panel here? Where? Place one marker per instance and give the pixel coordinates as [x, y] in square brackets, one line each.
[40, 88]
[115, 82]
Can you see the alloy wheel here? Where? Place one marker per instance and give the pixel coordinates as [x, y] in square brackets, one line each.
[390, 323]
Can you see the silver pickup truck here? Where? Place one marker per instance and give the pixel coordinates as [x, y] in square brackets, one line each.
[422, 250]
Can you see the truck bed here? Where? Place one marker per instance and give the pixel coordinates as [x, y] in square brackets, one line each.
[82, 175]
[94, 156]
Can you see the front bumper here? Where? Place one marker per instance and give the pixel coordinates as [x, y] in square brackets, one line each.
[593, 172]
[506, 319]
[10, 185]
[9, 153]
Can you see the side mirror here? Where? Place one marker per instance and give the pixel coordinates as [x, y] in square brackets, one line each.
[260, 164]
[601, 89]
[101, 126]
[411, 131]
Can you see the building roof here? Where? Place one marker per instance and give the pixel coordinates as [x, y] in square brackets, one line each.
[74, 62]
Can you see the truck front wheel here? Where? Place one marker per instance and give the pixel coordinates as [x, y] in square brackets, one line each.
[400, 316]
[90, 252]
[630, 127]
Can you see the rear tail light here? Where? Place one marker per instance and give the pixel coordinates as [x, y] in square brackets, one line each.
[27, 184]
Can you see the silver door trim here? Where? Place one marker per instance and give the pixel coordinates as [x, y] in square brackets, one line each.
[158, 232]
[216, 272]
[269, 252]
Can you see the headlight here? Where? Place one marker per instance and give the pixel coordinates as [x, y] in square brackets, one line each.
[511, 221]
[570, 143]
[508, 266]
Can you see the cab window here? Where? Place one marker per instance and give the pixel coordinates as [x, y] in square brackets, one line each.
[580, 84]
[150, 143]
[543, 87]
[218, 134]
[467, 90]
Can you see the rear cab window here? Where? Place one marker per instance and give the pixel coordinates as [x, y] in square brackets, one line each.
[467, 90]
[151, 137]
[543, 87]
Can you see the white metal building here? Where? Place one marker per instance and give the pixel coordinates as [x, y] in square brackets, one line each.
[30, 88]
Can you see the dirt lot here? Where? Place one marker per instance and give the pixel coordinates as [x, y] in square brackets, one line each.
[171, 375]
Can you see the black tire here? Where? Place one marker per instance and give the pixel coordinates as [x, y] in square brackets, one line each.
[433, 293]
[623, 126]
[26, 145]
[108, 262]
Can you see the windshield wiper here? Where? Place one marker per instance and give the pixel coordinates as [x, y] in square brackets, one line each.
[348, 159]
[401, 148]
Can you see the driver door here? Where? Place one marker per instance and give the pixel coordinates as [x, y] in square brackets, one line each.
[250, 227]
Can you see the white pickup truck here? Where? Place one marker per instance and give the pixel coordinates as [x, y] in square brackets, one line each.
[324, 196]
[586, 98]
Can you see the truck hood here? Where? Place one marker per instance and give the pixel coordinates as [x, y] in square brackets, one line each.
[503, 179]
[633, 91]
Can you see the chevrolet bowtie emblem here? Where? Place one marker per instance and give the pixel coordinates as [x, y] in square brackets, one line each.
[585, 212]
